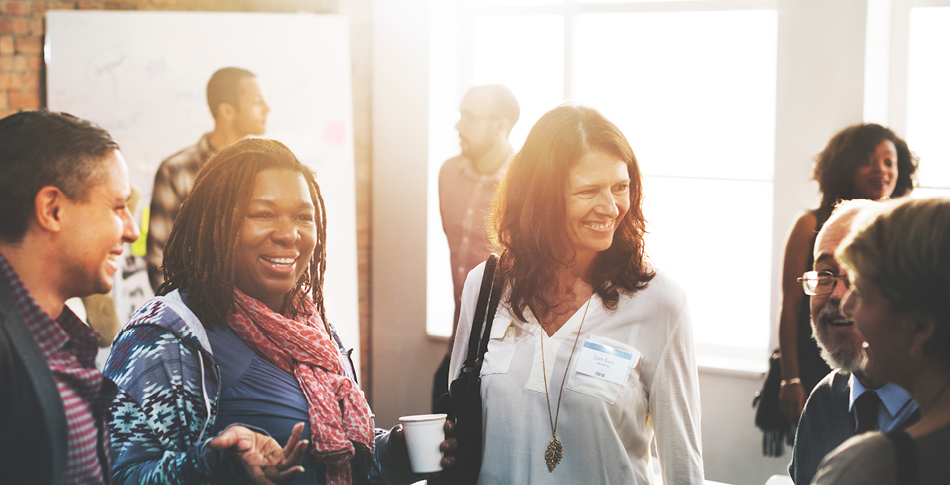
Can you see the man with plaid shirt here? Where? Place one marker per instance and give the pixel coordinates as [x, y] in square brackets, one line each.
[237, 104]
[63, 222]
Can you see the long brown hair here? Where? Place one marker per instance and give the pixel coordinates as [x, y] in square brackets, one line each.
[530, 209]
[199, 255]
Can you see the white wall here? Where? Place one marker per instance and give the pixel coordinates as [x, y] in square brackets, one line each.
[403, 357]
[820, 77]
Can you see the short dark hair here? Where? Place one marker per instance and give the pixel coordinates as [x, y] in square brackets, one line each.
[848, 150]
[39, 149]
[199, 254]
[225, 87]
[530, 209]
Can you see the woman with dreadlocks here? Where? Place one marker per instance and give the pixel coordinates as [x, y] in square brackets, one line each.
[238, 343]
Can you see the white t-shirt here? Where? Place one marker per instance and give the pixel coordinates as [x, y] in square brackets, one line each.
[605, 427]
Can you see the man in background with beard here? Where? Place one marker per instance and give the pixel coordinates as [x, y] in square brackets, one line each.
[236, 101]
[467, 186]
[847, 401]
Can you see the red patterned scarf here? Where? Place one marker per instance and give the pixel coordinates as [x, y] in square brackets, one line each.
[339, 414]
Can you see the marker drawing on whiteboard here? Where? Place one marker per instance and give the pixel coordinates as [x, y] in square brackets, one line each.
[155, 67]
[110, 65]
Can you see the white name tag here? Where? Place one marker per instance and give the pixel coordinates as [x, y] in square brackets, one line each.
[604, 362]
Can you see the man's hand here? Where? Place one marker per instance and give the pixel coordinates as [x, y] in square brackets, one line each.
[261, 456]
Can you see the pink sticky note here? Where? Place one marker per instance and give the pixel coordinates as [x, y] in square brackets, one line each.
[334, 132]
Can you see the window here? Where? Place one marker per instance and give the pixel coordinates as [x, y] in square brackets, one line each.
[928, 99]
[691, 84]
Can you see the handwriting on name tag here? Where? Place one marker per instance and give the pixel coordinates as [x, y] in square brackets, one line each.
[605, 362]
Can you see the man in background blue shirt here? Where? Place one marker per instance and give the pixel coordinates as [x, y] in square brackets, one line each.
[847, 401]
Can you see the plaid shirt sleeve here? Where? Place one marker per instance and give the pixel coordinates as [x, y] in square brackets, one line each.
[166, 200]
[173, 182]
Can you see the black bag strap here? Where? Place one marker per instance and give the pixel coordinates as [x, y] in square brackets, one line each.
[475, 348]
[488, 297]
[905, 450]
[493, 299]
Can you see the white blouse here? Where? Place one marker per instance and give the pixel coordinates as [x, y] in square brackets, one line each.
[605, 427]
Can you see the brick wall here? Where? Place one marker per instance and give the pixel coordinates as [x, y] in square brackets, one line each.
[22, 87]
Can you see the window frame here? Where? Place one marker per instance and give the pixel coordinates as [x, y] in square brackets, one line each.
[709, 356]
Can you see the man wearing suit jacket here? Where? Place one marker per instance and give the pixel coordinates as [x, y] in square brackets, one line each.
[847, 400]
[64, 220]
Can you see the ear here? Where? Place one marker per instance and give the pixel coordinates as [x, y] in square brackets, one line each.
[226, 112]
[48, 208]
[503, 127]
[923, 333]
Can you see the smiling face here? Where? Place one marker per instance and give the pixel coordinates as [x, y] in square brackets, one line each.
[94, 230]
[277, 237]
[840, 342]
[877, 178]
[251, 111]
[598, 197]
[887, 332]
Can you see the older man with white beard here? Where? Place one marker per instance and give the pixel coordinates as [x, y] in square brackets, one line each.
[847, 401]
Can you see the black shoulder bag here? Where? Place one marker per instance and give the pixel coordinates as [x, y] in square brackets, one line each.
[463, 402]
[777, 432]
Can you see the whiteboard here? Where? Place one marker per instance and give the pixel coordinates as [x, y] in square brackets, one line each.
[142, 76]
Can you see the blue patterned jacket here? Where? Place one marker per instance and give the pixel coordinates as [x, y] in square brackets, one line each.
[167, 400]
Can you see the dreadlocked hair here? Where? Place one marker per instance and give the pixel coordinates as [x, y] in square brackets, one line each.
[199, 255]
[530, 208]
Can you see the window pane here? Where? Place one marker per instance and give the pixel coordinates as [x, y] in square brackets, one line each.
[928, 99]
[515, 3]
[525, 53]
[717, 244]
[628, 1]
[693, 91]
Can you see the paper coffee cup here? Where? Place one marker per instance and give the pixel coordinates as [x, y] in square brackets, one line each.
[424, 433]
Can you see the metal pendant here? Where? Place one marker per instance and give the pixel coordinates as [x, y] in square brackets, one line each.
[553, 454]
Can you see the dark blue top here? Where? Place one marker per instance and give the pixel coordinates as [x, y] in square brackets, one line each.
[258, 393]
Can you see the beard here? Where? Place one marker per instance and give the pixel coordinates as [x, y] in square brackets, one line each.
[842, 351]
[473, 151]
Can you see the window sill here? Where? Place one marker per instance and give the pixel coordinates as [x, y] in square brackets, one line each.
[732, 366]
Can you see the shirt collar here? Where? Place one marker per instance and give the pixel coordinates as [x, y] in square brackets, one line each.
[467, 168]
[204, 148]
[893, 397]
[54, 334]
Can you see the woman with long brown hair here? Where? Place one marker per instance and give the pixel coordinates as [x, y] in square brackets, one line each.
[591, 351]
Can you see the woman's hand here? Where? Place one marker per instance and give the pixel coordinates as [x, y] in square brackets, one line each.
[791, 397]
[448, 445]
[261, 456]
[398, 437]
[791, 401]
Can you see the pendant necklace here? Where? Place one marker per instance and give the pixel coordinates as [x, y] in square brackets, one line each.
[555, 451]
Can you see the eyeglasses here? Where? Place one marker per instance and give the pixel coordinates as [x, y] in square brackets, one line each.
[466, 117]
[817, 283]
